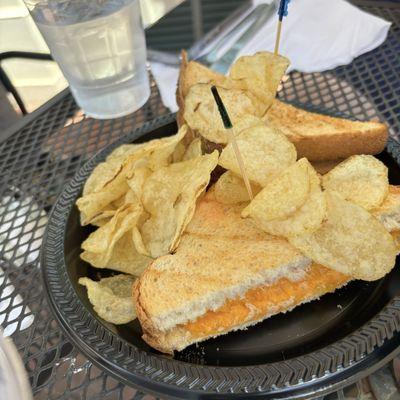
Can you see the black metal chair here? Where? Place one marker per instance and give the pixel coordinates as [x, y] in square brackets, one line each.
[5, 80]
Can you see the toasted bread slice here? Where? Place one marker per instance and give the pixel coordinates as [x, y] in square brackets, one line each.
[319, 137]
[322, 167]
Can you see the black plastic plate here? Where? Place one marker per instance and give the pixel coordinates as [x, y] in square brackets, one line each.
[313, 349]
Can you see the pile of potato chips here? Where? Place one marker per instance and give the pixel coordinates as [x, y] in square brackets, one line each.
[247, 93]
[144, 195]
[141, 199]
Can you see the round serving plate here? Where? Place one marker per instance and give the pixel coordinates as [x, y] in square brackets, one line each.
[312, 350]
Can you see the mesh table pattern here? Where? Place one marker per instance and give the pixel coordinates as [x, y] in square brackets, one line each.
[39, 155]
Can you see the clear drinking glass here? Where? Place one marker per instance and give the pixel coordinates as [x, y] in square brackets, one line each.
[100, 48]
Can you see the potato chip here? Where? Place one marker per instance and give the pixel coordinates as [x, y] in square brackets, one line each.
[169, 196]
[196, 73]
[112, 298]
[202, 115]
[231, 189]
[102, 218]
[389, 211]
[350, 241]
[101, 175]
[307, 218]
[265, 152]
[259, 75]
[194, 150]
[179, 151]
[102, 241]
[124, 257]
[361, 179]
[166, 145]
[107, 170]
[134, 197]
[284, 195]
[92, 205]
[137, 180]
[153, 155]
[162, 155]
[125, 150]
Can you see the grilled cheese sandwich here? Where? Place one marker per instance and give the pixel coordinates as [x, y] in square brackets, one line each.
[227, 275]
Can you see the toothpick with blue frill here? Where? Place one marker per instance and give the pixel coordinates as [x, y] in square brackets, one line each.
[282, 12]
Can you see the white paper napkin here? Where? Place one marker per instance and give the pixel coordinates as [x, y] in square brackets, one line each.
[317, 35]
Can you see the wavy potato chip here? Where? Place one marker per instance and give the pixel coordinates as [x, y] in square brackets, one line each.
[102, 218]
[202, 115]
[153, 155]
[193, 150]
[231, 189]
[138, 179]
[101, 175]
[265, 152]
[124, 257]
[169, 196]
[113, 244]
[389, 211]
[361, 179]
[107, 170]
[194, 72]
[307, 218]
[112, 298]
[162, 155]
[103, 239]
[125, 150]
[179, 151]
[106, 214]
[259, 75]
[284, 195]
[350, 241]
[158, 151]
[93, 204]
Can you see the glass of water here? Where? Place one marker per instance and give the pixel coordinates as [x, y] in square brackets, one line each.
[100, 48]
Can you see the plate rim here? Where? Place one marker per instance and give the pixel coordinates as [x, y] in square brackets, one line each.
[314, 372]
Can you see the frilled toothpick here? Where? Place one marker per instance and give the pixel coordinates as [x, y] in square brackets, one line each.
[228, 126]
[282, 12]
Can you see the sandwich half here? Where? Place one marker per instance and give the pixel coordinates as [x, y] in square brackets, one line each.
[316, 136]
[227, 275]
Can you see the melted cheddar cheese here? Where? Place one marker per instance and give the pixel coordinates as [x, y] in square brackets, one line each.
[262, 301]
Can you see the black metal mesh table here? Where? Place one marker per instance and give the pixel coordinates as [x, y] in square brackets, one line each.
[45, 149]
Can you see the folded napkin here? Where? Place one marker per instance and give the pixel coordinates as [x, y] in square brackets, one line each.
[317, 35]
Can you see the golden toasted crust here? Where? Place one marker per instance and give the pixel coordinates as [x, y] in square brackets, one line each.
[151, 335]
[319, 137]
[322, 167]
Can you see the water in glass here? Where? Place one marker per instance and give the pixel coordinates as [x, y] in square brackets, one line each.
[101, 49]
